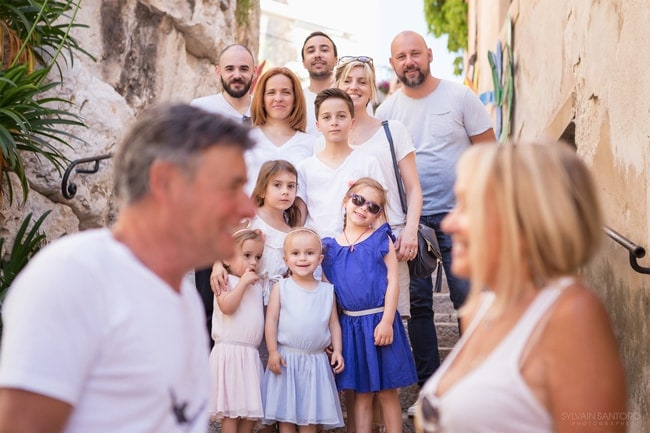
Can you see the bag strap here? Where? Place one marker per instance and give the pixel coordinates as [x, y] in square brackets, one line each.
[398, 178]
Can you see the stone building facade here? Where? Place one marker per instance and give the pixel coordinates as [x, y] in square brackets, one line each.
[579, 74]
[146, 52]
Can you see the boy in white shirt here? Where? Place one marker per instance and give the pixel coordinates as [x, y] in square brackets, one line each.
[324, 178]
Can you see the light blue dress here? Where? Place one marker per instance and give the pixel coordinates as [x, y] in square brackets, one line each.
[305, 393]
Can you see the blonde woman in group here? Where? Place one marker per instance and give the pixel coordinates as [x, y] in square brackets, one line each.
[356, 76]
[538, 353]
[278, 113]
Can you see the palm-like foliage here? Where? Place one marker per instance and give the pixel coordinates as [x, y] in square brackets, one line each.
[33, 33]
[26, 244]
[29, 123]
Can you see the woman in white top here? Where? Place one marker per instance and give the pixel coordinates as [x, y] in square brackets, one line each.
[278, 113]
[538, 353]
[356, 76]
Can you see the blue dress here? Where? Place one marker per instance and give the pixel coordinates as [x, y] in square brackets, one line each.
[305, 393]
[360, 282]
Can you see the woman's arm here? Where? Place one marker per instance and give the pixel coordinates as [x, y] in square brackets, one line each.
[584, 373]
[407, 240]
[384, 330]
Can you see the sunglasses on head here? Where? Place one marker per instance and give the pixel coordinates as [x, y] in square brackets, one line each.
[362, 59]
[359, 200]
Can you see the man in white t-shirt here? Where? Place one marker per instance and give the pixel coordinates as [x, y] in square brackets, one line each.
[101, 332]
[444, 118]
[236, 72]
[319, 56]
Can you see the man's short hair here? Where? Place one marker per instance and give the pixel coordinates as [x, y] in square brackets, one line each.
[314, 34]
[178, 133]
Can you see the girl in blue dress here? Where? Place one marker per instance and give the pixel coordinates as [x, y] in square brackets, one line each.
[362, 264]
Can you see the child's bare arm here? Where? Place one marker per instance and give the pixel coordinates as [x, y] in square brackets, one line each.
[271, 330]
[229, 301]
[384, 331]
[336, 360]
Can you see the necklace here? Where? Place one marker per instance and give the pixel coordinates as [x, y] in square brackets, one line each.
[356, 240]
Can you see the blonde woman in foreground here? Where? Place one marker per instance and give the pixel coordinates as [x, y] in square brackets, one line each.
[538, 353]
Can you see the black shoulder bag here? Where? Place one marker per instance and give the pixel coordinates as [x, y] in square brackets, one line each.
[429, 257]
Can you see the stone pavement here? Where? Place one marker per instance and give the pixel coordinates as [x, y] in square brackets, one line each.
[447, 331]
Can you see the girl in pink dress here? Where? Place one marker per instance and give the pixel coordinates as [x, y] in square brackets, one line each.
[237, 330]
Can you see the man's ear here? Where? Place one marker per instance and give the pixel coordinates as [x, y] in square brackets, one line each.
[163, 176]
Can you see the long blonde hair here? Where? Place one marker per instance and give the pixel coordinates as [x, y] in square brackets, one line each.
[547, 213]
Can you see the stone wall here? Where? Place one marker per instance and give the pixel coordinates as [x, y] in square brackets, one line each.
[146, 52]
[580, 72]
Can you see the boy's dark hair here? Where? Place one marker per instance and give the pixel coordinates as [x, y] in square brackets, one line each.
[317, 33]
[333, 92]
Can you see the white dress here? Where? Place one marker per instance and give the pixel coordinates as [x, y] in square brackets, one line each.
[272, 267]
[235, 367]
[305, 393]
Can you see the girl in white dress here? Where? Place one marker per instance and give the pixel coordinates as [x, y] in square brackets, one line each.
[237, 329]
[276, 214]
[301, 321]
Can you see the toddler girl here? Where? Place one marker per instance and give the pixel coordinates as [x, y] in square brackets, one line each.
[362, 264]
[301, 321]
[237, 329]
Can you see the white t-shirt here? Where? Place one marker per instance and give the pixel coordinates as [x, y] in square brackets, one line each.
[294, 150]
[310, 97]
[378, 146]
[218, 104]
[88, 324]
[322, 188]
[440, 125]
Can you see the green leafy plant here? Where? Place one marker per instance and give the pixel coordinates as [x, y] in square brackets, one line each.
[33, 33]
[448, 17]
[26, 244]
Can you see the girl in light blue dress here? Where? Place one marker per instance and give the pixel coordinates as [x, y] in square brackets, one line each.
[301, 321]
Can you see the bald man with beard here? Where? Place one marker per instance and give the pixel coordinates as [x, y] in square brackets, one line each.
[235, 71]
[444, 118]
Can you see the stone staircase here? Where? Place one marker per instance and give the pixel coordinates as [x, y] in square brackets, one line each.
[445, 319]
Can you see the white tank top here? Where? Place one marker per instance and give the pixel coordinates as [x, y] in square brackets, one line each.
[494, 398]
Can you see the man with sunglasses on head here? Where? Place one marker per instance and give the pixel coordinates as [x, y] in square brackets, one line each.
[444, 119]
[319, 57]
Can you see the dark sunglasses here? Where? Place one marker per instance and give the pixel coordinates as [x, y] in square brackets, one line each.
[359, 200]
[362, 59]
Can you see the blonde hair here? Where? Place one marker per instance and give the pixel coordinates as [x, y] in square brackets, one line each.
[293, 233]
[241, 236]
[343, 71]
[545, 205]
[367, 182]
[297, 118]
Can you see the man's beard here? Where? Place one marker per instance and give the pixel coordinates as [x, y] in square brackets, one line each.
[236, 93]
[414, 82]
[320, 75]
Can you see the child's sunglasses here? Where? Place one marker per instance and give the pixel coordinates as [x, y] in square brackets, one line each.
[359, 200]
